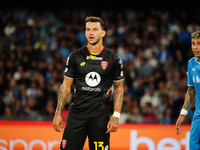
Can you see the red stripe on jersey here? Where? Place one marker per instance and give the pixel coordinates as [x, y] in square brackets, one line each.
[99, 52]
[109, 94]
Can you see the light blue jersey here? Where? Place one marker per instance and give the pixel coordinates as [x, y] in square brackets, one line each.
[193, 79]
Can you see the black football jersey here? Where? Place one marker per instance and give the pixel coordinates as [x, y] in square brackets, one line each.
[93, 77]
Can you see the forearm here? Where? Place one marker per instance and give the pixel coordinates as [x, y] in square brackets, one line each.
[118, 96]
[64, 92]
[189, 98]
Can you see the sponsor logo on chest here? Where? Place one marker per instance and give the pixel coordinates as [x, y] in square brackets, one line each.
[94, 57]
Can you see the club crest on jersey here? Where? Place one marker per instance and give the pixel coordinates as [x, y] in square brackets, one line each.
[64, 142]
[104, 64]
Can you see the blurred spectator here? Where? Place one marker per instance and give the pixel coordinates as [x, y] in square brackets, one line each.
[126, 55]
[163, 55]
[150, 117]
[32, 91]
[135, 116]
[184, 35]
[153, 61]
[167, 116]
[18, 73]
[7, 96]
[9, 29]
[192, 27]
[49, 109]
[7, 113]
[144, 70]
[64, 51]
[149, 99]
[30, 108]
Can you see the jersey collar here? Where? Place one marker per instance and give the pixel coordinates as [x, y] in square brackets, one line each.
[197, 61]
[95, 53]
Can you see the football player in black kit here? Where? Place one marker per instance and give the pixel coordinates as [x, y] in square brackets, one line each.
[92, 70]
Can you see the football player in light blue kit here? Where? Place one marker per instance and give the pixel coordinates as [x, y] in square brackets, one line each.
[192, 94]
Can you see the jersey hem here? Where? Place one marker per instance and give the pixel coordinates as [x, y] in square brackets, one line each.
[117, 80]
[68, 77]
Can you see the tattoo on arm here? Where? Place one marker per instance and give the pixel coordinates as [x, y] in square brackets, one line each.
[189, 97]
[64, 92]
[118, 95]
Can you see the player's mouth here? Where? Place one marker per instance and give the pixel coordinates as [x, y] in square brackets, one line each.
[196, 53]
[91, 38]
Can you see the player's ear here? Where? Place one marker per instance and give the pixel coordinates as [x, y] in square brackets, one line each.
[103, 33]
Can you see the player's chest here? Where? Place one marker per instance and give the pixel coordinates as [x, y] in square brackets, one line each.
[101, 65]
[195, 72]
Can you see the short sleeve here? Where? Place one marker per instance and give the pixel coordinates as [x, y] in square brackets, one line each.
[189, 76]
[117, 69]
[70, 69]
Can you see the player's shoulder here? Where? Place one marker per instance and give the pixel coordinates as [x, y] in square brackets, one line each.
[76, 54]
[192, 60]
[78, 51]
[111, 54]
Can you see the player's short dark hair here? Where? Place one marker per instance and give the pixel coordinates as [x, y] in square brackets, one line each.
[95, 19]
[195, 35]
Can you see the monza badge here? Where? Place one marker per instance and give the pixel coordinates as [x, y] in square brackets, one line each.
[64, 142]
[104, 64]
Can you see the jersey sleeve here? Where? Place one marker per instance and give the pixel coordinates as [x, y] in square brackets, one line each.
[70, 69]
[189, 76]
[117, 69]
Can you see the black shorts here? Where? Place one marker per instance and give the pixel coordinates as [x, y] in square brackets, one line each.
[93, 125]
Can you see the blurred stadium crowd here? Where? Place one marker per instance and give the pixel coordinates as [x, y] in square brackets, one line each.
[154, 45]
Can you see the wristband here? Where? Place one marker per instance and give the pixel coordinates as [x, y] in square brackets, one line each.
[116, 114]
[183, 112]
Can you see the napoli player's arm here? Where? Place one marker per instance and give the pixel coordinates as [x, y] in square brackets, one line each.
[118, 100]
[64, 92]
[189, 100]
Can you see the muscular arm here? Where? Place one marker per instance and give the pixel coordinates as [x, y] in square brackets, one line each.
[118, 95]
[118, 100]
[65, 90]
[189, 97]
[189, 100]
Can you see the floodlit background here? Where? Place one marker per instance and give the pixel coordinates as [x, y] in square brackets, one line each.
[152, 39]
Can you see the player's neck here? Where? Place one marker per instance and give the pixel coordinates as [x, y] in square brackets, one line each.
[97, 48]
[198, 59]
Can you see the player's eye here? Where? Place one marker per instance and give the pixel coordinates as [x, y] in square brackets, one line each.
[87, 29]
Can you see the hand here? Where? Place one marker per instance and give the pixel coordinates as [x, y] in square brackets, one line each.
[178, 124]
[58, 123]
[113, 125]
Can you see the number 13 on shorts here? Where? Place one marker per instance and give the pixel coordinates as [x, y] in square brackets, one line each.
[98, 144]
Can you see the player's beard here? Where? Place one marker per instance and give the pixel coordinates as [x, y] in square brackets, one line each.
[95, 42]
